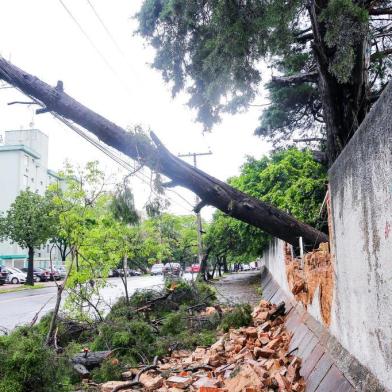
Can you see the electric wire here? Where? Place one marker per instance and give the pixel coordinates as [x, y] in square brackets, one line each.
[97, 50]
[115, 158]
[103, 24]
[106, 150]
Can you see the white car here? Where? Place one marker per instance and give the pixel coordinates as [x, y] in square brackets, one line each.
[16, 276]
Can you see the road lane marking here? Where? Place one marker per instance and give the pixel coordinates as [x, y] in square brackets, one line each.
[22, 298]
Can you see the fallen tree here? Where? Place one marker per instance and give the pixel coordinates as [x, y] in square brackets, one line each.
[152, 153]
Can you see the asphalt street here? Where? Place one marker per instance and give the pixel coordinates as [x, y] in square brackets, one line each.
[19, 308]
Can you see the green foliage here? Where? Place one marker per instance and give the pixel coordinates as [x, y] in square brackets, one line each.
[123, 206]
[290, 110]
[109, 370]
[27, 364]
[239, 316]
[28, 222]
[290, 180]
[347, 25]
[131, 334]
[215, 50]
[165, 238]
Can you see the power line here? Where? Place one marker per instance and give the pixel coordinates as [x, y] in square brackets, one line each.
[91, 42]
[114, 157]
[105, 149]
[95, 47]
[110, 35]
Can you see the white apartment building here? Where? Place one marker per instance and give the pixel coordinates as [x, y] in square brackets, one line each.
[23, 165]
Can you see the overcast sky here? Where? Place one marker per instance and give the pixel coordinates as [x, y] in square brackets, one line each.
[40, 37]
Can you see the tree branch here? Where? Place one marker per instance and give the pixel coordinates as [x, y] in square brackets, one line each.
[378, 55]
[213, 191]
[199, 206]
[304, 38]
[298, 78]
[310, 139]
[380, 11]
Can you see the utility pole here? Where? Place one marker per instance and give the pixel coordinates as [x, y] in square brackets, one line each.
[198, 215]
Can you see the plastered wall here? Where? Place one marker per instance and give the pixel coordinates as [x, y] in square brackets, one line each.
[361, 212]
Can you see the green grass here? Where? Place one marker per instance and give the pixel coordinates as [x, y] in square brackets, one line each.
[4, 290]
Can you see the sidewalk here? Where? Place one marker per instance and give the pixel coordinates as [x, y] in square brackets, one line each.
[240, 287]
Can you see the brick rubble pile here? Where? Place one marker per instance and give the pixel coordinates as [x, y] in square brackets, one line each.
[248, 359]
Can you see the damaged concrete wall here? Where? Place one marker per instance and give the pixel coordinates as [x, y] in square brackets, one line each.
[361, 209]
[276, 260]
[361, 198]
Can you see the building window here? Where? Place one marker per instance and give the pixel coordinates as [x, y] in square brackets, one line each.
[26, 181]
[32, 179]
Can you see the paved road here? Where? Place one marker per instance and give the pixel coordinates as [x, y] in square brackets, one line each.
[20, 307]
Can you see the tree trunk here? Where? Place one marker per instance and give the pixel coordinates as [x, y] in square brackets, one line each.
[203, 264]
[344, 104]
[125, 279]
[60, 289]
[210, 190]
[225, 268]
[56, 310]
[30, 267]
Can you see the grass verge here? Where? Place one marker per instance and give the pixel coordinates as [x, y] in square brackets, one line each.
[4, 290]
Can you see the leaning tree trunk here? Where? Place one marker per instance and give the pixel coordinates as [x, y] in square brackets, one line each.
[30, 267]
[210, 190]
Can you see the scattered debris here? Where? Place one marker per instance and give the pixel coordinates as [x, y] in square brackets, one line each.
[249, 359]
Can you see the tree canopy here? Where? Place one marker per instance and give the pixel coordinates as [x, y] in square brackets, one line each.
[329, 57]
[29, 224]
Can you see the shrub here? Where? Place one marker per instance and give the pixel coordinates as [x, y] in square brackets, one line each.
[109, 370]
[238, 317]
[27, 364]
[132, 339]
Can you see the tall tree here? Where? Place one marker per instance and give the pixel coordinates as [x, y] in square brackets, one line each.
[29, 224]
[331, 57]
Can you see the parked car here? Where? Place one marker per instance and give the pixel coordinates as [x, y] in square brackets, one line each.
[157, 269]
[16, 276]
[245, 267]
[62, 271]
[3, 275]
[172, 269]
[118, 272]
[40, 274]
[195, 268]
[54, 274]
